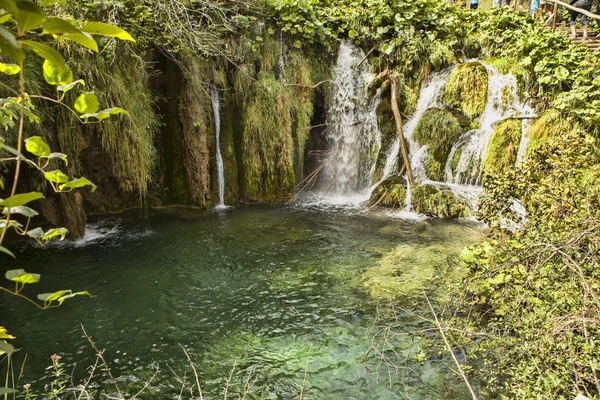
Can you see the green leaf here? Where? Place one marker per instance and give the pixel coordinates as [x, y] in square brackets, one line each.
[56, 75]
[9, 5]
[58, 26]
[7, 251]
[10, 46]
[46, 52]
[21, 199]
[561, 73]
[70, 296]
[56, 176]
[29, 15]
[22, 210]
[36, 146]
[10, 69]
[87, 103]
[84, 39]
[5, 18]
[48, 297]
[37, 233]
[78, 183]
[66, 88]
[20, 276]
[100, 28]
[61, 296]
[4, 333]
[104, 114]
[52, 233]
[6, 348]
[6, 390]
[60, 156]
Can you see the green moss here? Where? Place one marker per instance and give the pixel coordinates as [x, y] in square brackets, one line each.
[268, 146]
[228, 150]
[438, 129]
[431, 200]
[387, 127]
[390, 193]
[501, 153]
[467, 89]
[549, 125]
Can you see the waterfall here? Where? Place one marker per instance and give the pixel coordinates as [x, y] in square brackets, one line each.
[353, 133]
[473, 144]
[216, 103]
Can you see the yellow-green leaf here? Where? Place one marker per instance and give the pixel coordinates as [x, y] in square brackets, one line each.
[36, 146]
[10, 69]
[87, 103]
[100, 28]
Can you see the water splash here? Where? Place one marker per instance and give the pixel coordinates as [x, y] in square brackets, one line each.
[353, 133]
[216, 103]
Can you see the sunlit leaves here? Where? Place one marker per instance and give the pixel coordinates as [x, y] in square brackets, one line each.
[9, 69]
[78, 183]
[87, 103]
[36, 146]
[4, 333]
[104, 114]
[20, 276]
[60, 296]
[100, 28]
[56, 176]
[56, 75]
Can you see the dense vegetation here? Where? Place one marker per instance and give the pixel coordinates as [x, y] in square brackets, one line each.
[530, 290]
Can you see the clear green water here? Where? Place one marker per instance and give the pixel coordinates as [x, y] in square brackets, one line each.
[271, 294]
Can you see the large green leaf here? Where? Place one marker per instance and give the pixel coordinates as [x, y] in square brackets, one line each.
[58, 26]
[84, 39]
[29, 15]
[9, 45]
[37, 233]
[22, 210]
[87, 103]
[36, 146]
[20, 276]
[77, 183]
[10, 69]
[100, 28]
[21, 199]
[56, 176]
[56, 75]
[5, 18]
[46, 52]
[9, 5]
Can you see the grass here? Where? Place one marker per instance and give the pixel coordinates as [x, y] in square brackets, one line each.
[503, 148]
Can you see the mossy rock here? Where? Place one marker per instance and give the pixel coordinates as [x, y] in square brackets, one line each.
[502, 151]
[403, 271]
[435, 202]
[390, 193]
[467, 89]
[438, 129]
[550, 124]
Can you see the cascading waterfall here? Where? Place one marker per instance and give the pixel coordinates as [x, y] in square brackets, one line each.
[473, 144]
[353, 132]
[216, 103]
[502, 103]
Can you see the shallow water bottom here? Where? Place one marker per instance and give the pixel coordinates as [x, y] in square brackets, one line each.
[268, 302]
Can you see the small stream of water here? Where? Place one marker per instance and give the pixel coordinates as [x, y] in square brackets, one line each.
[216, 103]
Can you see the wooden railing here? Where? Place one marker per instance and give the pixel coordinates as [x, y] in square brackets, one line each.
[558, 3]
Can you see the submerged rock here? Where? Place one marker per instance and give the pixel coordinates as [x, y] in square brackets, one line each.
[438, 129]
[433, 201]
[467, 89]
[502, 151]
[390, 193]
